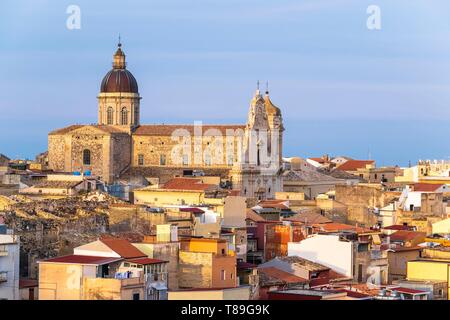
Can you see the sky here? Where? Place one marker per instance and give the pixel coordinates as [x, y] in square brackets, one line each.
[343, 89]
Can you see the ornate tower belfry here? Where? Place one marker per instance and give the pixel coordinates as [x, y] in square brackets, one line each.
[259, 173]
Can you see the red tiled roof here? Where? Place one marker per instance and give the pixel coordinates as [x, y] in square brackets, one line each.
[404, 235]
[192, 209]
[397, 227]
[122, 247]
[167, 130]
[273, 205]
[426, 187]
[104, 128]
[281, 275]
[79, 259]
[407, 290]
[353, 165]
[187, 184]
[146, 261]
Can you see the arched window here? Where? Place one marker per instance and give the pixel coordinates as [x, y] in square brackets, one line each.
[110, 115]
[124, 116]
[86, 157]
[136, 115]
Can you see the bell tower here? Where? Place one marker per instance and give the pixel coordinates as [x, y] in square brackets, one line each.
[119, 99]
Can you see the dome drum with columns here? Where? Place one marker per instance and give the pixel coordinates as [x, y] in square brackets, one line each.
[120, 147]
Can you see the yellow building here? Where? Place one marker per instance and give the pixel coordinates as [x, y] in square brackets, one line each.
[433, 270]
[77, 277]
[441, 227]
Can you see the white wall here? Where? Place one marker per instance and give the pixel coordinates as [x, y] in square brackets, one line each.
[326, 250]
[10, 263]
[414, 198]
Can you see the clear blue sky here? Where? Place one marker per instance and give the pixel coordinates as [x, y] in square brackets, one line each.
[343, 89]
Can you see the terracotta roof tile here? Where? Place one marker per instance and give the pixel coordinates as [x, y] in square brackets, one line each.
[404, 235]
[407, 290]
[146, 261]
[122, 247]
[104, 128]
[187, 184]
[167, 130]
[426, 187]
[80, 259]
[353, 165]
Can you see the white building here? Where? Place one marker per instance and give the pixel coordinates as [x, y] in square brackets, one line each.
[328, 250]
[9, 264]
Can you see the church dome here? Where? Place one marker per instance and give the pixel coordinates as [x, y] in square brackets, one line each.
[119, 79]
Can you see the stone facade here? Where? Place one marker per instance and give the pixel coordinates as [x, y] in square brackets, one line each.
[250, 153]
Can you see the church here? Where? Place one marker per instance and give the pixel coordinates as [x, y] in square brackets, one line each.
[248, 157]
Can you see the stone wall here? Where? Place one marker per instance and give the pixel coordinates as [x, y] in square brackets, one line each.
[195, 270]
[360, 201]
[56, 152]
[152, 147]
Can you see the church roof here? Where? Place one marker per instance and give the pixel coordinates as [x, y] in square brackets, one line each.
[104, 128]
[167, 130]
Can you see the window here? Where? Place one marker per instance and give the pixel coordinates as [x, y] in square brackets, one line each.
[140, 159]
[207, 159]
[136, 115]
[222, 274]
[136, 296]
[124, 116]
[109, 115]
[185, 159]
[162, 160]
[86, 157]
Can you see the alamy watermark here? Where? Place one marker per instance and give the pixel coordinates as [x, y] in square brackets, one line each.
[374, 19]
[73, 21]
